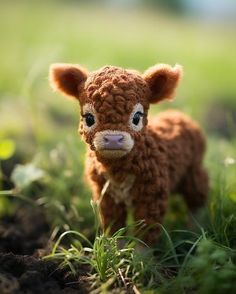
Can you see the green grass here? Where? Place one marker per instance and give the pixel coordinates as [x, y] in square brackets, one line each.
[41, 128]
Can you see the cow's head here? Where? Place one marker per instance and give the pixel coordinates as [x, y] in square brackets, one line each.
[114, 102]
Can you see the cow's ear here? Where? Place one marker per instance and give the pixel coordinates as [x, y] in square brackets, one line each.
[162, 80]
[67, 78]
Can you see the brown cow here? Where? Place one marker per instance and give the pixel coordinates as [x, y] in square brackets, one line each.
[142, 162]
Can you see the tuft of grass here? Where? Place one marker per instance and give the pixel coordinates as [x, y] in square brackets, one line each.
[111, 261]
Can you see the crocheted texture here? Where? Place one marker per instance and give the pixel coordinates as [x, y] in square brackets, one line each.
[143, 162]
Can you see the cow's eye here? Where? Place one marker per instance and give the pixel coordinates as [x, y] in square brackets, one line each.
[89, 119]
[136, 118]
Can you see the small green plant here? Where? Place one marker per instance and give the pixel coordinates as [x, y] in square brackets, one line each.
[211, 269]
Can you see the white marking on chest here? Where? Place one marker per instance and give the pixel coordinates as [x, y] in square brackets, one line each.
[120, 191]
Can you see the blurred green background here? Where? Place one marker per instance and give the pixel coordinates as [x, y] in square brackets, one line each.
[39, 126]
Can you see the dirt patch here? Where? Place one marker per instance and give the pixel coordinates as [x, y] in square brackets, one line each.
[26, 274]
[22, 236]
[24, 232]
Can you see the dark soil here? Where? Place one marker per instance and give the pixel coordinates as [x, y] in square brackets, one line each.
[24, 232]
[25, 274]
[22, 237]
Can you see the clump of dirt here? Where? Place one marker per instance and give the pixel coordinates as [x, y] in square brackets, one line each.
[22, 236]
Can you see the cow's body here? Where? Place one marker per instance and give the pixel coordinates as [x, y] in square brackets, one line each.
[168, 159]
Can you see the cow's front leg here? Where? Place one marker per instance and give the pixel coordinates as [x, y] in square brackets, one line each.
[113, 215]
[151, 208]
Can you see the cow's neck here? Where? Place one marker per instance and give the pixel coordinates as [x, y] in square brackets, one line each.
[117, 169]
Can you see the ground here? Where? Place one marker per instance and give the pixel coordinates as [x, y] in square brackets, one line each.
[24, 238]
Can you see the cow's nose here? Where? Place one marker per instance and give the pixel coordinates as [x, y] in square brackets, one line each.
[113, 141]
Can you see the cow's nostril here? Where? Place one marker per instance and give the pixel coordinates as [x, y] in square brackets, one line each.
[106, 140]
[121, 139]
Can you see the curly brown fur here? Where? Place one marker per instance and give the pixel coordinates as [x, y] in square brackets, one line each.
[149, 161]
